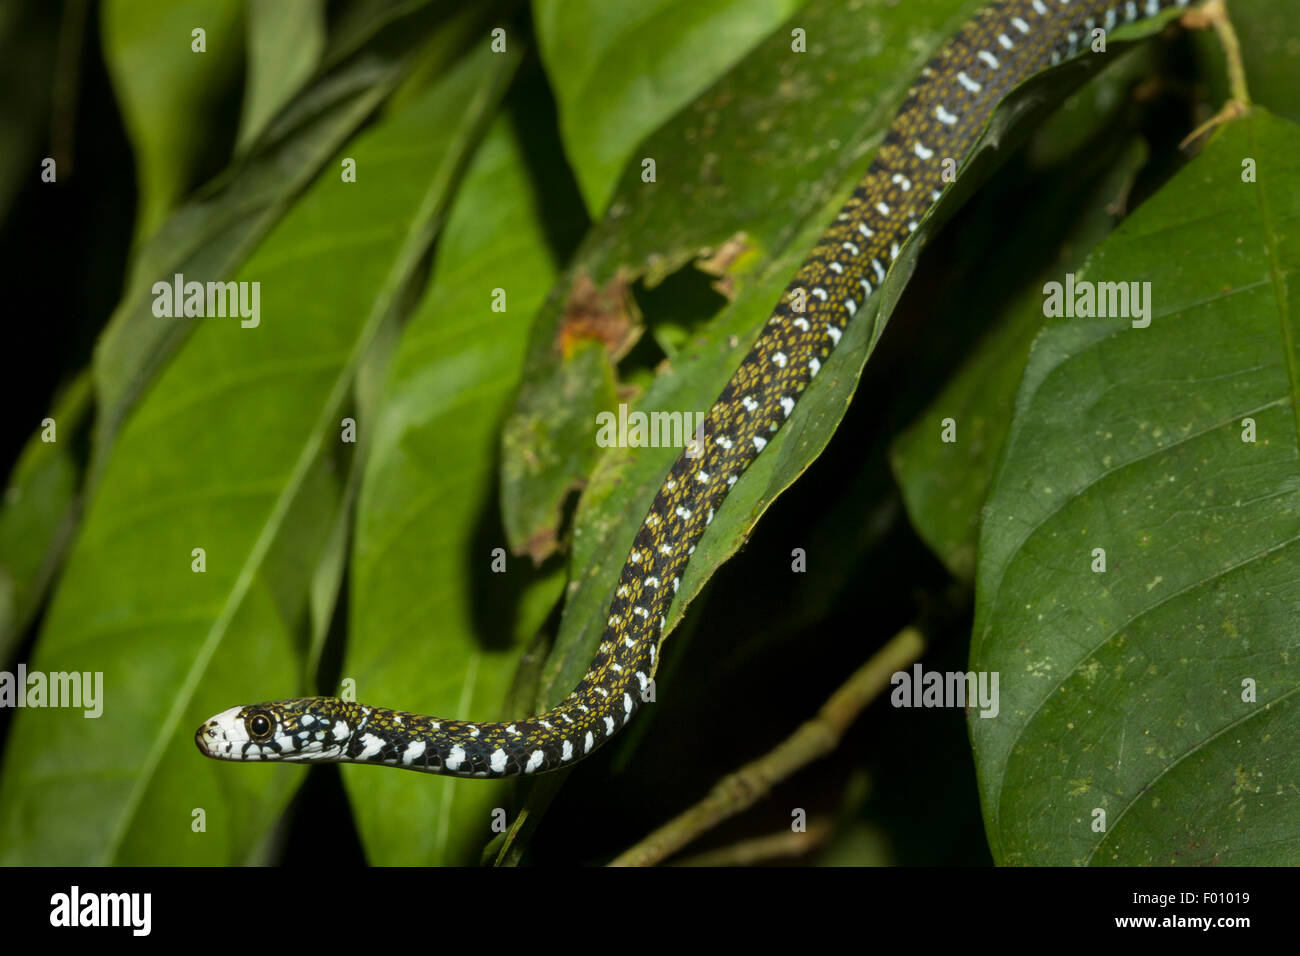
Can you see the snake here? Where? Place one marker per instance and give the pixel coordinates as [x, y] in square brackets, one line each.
[941, 116]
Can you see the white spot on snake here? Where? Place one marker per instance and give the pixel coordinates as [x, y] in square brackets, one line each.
[340, 730]
[787, 405]
[566, 751]
[455, 758]
[498, 761]
[513, 730]
[760, 443]
[851, 306]
[880, 270]
[836, 268]
[308, 720]
[373, 745]
[587, 743]
[814, 366]
[609, 725]
[749, 403]
[534, 761]
[943, 116]
[862, 228]
[1020, 24]
[779, 359]
[882, 209]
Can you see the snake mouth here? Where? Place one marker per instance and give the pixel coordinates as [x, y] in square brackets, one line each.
[223, 736]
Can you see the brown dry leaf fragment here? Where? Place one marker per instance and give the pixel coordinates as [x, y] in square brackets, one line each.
[603, 314]
[718, 263]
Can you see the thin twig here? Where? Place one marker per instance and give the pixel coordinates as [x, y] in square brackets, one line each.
[813, 740]
[1215, 14]
[775, 846]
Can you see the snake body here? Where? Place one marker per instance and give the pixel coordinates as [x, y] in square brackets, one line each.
[940, 118]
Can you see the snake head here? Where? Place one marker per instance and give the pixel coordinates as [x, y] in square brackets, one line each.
[305, 728]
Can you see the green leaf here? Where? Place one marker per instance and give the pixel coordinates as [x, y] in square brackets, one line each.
[230, 452]
[38, 513]
[1162, 691]
[617, 76]
[434, 629]
[285, 42]
[168, 92]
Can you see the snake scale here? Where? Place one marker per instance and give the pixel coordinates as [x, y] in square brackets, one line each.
[941, 117]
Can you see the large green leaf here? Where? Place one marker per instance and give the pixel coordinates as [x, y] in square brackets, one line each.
[38, 513]
[232, 451]
[620, 71]
[434, 628]
[285, 41]
[168, 91]
[1160, 691]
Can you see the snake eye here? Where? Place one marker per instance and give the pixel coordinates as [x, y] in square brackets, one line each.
[259, 727]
